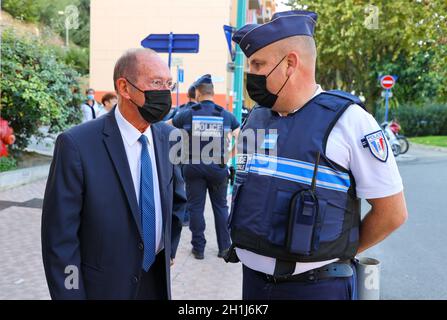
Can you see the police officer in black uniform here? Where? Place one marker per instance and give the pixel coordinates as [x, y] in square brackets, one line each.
[305, 156]
[209, 127]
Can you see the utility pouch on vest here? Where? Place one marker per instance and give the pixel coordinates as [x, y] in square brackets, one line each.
[303, 219]
[302, 222]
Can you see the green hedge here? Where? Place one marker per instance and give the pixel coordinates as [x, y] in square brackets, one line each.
[7, 163]
[28, 10]
[416, 120]
[38, 88]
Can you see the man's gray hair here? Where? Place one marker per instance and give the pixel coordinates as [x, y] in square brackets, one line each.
[127, 65]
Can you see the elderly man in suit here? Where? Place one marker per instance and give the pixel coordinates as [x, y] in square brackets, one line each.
[113, 192]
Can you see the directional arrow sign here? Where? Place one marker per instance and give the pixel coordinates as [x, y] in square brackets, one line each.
[172, 43]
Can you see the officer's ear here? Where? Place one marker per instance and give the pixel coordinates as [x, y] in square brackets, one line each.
[293, 62]
[122, 87]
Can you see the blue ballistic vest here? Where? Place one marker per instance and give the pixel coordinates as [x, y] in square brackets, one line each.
[207, 128]
[290, 201]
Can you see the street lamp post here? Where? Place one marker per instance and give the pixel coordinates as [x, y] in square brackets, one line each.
[62, 13]
[66, 34]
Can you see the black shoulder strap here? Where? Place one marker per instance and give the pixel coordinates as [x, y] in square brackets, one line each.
[345, 100]
[249, 114]
[346, 95]
[196, 107]
[218, 108]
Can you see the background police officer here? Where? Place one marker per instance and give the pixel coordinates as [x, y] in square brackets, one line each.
[191, 101]
[295, 218]
[209, 128]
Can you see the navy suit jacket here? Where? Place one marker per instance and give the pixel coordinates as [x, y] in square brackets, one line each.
[91, 219]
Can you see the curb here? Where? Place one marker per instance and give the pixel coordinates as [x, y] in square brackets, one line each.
[429, 147]
[15, 178]
[404, 158]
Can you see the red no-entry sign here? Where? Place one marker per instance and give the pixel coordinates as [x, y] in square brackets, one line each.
[387, 82]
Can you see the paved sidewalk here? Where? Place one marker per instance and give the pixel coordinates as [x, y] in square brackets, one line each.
[22, 274]
[403, 275]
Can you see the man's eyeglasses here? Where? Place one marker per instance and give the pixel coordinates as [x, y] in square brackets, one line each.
[159, 84]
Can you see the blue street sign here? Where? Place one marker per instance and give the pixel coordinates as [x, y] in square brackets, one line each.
[229, 30]
[180, 75]
[172, 43]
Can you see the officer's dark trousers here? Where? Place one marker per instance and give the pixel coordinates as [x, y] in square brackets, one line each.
[199, 179]
[152, 284]
[256, 287]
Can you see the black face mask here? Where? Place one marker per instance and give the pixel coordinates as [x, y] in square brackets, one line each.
[156, 105]
[257, 88]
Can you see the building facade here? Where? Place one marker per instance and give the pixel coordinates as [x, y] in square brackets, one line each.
[118, 25]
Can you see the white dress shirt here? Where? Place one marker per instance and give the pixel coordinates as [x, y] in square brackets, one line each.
[374, 178]
[130, 136]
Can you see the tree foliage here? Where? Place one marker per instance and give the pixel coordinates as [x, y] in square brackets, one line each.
[47, 12]
[37, 88]
[410, 42]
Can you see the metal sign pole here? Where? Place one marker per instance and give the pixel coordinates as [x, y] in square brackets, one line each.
[238, 89]
[178, 82]
[171, 37]
[238, 86]
[387, 93]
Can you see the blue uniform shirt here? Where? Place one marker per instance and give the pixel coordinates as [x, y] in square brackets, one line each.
[184, 120]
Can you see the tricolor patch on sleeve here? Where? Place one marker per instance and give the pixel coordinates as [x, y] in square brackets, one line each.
[377, 144]
[243, 162]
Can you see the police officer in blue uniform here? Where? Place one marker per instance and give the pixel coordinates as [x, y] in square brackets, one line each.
[191, 101]
[305, 158]
[209, 128]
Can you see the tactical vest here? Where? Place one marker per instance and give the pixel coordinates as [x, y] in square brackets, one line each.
[290, 201]
[207, 128]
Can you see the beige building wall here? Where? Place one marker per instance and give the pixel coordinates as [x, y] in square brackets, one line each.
[117, 25]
